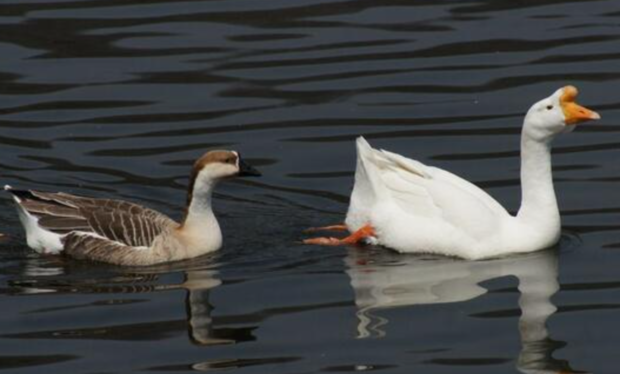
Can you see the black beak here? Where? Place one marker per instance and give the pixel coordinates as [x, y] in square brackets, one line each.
[247, 170]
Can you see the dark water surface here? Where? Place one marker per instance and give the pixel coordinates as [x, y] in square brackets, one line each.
[117, 98]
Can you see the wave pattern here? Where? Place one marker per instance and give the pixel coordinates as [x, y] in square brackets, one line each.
[117, 98]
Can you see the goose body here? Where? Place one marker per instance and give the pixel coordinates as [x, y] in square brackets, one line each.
[125, 233]
[416, 208]
[405, 205]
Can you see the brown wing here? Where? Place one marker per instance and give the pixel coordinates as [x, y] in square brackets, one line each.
[87, 246]
[126, 228]
[121, 221]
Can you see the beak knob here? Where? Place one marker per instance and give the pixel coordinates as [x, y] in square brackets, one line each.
[573, 112]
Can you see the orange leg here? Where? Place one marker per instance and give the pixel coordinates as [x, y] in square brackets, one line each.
[353, 239]
[339, 227]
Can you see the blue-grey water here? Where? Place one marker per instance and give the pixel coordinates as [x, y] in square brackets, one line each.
[117, 98]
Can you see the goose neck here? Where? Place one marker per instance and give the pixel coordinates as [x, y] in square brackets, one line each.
[538, 200]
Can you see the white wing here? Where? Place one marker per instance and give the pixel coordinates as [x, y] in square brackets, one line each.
[421, 191]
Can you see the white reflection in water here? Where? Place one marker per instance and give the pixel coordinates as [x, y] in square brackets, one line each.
[388, 281]
[36, 271]
[198, 284]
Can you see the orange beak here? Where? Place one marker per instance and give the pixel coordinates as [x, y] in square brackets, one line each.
[573, 112]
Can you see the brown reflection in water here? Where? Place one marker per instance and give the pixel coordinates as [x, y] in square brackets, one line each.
[45, 276]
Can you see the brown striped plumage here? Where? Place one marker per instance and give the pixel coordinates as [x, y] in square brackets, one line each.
[122, 221]
[119, 226]
[124, 233]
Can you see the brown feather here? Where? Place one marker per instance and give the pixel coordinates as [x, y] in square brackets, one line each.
[88, 247]
[63, 225]
[125, 222]
[39, 208]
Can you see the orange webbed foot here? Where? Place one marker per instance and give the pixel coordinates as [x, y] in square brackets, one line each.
[339, 227]
[356, 238]
[324, 241]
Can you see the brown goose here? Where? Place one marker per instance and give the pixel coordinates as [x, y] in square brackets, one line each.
[125, 233]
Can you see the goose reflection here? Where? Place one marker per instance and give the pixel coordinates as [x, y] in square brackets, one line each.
[383, 280]
[58, 276]
[198, 284]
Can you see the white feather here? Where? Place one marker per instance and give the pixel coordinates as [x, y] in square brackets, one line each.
[39, 239]
[416, 208]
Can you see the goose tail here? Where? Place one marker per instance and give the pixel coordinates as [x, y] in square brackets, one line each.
[368, 187]
[38, 238]
[367, 173]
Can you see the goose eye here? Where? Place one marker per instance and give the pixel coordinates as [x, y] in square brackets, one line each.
[549, 107]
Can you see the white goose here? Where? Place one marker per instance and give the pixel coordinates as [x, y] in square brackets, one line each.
[410, 207]
[124, 233]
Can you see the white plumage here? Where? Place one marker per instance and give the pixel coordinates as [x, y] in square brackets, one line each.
[416, 208]
[410, 207]
[38, 238]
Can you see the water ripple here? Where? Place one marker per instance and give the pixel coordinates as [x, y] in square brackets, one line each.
[117, 98]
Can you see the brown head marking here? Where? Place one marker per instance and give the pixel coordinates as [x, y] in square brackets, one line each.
[225, 157]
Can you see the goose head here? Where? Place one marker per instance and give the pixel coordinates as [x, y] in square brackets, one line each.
[217, 165]
[556, 114]
[214, 166]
